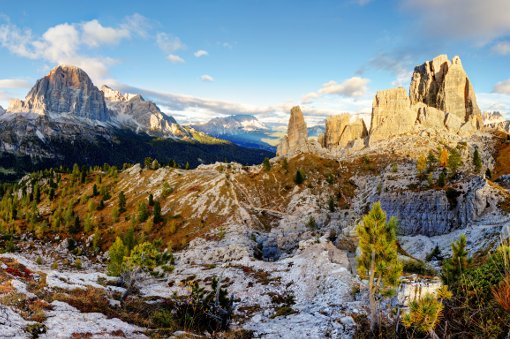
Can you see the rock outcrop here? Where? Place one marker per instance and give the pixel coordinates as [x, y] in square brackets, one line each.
[391, 114]
[137, 113]
[444, 85]
[2, 110]
[297, 134]
[335, 126]
[65, 90]
[342, 130]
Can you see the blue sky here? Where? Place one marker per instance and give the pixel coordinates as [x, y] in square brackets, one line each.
[199, 59]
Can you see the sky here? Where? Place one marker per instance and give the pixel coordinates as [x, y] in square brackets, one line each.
[201, 59]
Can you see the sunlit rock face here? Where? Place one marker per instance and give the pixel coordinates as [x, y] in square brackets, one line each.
[65, 90]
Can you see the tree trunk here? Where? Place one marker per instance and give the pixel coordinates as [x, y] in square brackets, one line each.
[371, 293]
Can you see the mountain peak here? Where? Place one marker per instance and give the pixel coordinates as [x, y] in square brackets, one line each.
[65, 90]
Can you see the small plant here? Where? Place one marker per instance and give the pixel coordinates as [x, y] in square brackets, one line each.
[299, 178]
[266, 164]
[501, 293]
[331, 204]
[311, 224]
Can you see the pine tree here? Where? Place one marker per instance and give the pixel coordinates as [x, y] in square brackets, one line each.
[143, 212]
[454, 161]
[117, 252]
[151, 200]
[378, 260]
[424, 313]
[186, 167]
[129, 239]
[441, 181]
[331, 204]
[431, 161]
[421, 165]
[454, 267]
[157, 218]
[95, 193]
[477, 161]
[266, 164]
[300, 177]
[122, 202]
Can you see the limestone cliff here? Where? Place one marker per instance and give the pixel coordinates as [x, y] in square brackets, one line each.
[297, 134]
[342, 130]
[445, 85]
[391, 114]
[65, 90]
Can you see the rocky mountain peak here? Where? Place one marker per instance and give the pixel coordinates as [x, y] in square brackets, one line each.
[133, 111]
[297, 134]
[65, 90]
[445, 85]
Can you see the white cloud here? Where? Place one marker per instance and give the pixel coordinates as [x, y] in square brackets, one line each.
[353, 87]
[64, 43]
[502, 87]
[175, 59]
[200, 53]
[490, 102]
[480, 20]
[94, 34]
[14, 83]
[168, 43]
[502, 48]
[207, 78]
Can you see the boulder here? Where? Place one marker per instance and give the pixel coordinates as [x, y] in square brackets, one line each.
[392, 115]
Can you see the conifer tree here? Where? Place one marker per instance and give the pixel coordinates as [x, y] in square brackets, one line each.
[421, 165]
[300, 177]
[117, 252]
[122, 202]
[157, 218]
[431, 161]
[454, 161]
[477, 161]
[425, 312]
[454, 267]
[143, 212]
[266, 164]
[129, 239]
[186, 167]
[378, 260]
[151, 200]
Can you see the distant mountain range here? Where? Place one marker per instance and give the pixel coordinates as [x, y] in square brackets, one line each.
[247, 131]
[65, 119]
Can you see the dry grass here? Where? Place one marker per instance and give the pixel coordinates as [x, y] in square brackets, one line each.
[501, 293]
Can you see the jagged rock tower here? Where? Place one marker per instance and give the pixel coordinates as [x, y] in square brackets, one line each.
[297, 134]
